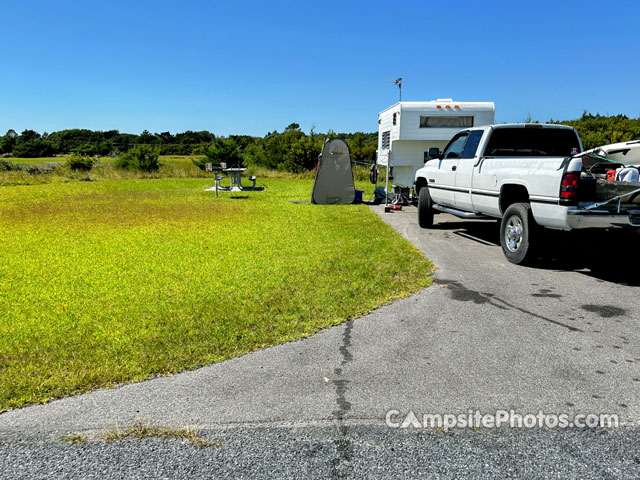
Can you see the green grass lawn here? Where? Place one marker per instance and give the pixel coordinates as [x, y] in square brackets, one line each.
[113, 281]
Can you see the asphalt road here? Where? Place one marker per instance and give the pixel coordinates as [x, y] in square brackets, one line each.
[561, 337]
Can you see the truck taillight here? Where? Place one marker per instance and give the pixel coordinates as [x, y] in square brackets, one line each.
[569, 186]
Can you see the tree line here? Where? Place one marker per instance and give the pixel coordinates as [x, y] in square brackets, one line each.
[597, 130]
[291, 150]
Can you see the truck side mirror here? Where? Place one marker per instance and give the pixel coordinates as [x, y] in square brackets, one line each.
[434, 152]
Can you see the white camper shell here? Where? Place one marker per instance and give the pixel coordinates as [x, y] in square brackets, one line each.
[407, 130]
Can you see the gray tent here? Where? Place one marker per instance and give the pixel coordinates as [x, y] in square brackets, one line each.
[334, 177]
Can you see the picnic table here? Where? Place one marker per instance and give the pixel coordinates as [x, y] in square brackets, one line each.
[235, 174]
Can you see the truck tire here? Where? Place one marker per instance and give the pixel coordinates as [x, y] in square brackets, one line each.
[517, 234]
[425, 210]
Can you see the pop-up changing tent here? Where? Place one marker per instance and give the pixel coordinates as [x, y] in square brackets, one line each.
[334, 178]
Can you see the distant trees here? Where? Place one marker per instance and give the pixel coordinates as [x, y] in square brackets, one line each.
[596, 130]
[288, 150]
[221, 150]
[363, 146]
[302, 154]
[292, 149]
[30, 144]
[82, 141]
[8, 141]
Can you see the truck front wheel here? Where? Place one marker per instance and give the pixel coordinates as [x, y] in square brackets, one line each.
[517, 233]
[425, 209]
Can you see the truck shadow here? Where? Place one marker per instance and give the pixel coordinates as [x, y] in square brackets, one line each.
[486, 232]
[610, 256]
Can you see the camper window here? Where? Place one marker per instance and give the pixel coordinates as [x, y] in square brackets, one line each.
[446, 122]
[386, 137]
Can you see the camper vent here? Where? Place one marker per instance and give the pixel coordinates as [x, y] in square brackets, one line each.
[446, 122]
[386, 137]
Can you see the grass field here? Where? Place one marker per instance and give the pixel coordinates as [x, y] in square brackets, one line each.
[63, 158]
[113, 281]
[172, 166]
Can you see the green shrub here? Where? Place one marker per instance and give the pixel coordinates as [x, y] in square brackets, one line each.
[221, 150]
[141, 157]
[32, 169]
[83, 163]
[6, 166]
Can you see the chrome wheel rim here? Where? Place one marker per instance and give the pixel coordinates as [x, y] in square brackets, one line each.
[513, 233]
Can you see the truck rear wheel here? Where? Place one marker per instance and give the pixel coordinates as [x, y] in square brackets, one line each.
[517, 233]
[425, 210]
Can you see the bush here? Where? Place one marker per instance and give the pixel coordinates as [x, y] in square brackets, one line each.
[141, 157]
[7, 166]
[80, 162]
[221, 150]
[302, 155]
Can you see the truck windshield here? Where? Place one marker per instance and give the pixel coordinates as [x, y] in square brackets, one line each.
[532, 142]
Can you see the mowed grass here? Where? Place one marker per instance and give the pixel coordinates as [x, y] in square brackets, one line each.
[114, 281]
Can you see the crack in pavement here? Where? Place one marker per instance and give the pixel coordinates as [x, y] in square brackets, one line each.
[343, 445]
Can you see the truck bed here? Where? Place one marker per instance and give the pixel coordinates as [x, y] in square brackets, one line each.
[600, 190]
[594, 186]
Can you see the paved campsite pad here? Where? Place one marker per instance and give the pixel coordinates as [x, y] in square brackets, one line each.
[488, 335]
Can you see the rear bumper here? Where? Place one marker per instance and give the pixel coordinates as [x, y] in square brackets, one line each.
[577, 219]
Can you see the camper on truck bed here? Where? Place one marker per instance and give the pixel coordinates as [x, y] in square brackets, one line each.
[530, 176]
[407, 130]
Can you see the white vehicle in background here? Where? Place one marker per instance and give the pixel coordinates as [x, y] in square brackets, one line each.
[627, 153]
[407, 130]
[528, 175]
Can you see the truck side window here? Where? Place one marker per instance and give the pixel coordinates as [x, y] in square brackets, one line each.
[472, 144]
[456, 145]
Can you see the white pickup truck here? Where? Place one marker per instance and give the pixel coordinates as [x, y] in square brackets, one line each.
[528, 175]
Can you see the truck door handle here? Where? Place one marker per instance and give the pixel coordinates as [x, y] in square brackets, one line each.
[454, 168]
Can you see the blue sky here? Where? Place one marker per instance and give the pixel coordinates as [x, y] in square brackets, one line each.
[253, 67]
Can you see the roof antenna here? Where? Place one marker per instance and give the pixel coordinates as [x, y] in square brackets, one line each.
[398, 81]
